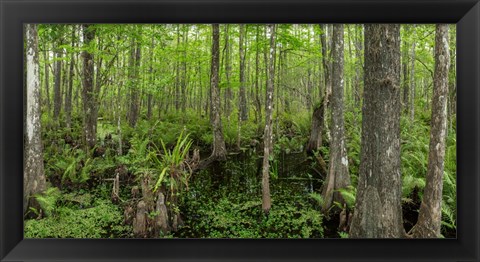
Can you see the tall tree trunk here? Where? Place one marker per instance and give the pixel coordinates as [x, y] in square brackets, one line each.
[228, 70]
[184, 69]
[34, 177]
[412, 78]
[358, 64]
[134, 98]
[177, 73]
[88, 95]
[258, 104]
[378, 210]
[68, 98]
[152, 80]
[338, 175]
[57, 93]
[219, 149]
[47, 76]
[327, 64]
[267, 135]
[406, 86]
[243, 113]
[430, 215]
[318, 117]
[242, 101]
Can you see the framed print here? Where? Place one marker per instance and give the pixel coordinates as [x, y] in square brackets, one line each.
[237, 130]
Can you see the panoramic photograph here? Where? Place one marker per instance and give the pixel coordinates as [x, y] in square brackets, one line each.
[240, 131]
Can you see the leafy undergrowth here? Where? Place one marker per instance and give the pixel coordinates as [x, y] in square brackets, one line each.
[77, 216]
[234, 216]
[223, 201]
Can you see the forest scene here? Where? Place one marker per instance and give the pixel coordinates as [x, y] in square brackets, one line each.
[240, 131]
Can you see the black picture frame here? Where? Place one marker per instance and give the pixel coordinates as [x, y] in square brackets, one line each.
[14, 13]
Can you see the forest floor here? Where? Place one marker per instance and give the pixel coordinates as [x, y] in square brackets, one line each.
[221, 201]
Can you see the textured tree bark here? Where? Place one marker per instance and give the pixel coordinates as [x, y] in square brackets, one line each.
[405, 85]
[358, 64]
[184, 69]
[228, 69]
[378, 210]
[134, 98]
[430, 214]
[88, 95]
[258, 104]
[140, 221]
[412, 79]
[315, 140]
[68, 96]
[219, 149]
[47, 77]
[318, 118]
[267, 135]
[338, 174]
[177, 73]
[33, 178]
[152, 80]
[327, 55]
[242, 99]
[57, 94]
[161, 219]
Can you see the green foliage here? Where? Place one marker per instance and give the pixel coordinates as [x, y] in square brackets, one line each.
[295, 123]
[74, 165]
[172, 162]
[353, 124]
[48, 200]
[318, 198]
[414, 155]
[228, 218]
[349, 195]
[78, 217]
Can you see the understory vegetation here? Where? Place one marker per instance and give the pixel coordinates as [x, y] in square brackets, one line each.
[224, 200]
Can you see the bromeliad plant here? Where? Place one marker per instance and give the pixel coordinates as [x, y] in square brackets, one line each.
[173, 163]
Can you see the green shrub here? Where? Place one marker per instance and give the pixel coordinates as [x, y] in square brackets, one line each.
[102, 220]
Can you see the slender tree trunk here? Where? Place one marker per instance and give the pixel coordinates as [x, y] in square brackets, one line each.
[406, 86]
[358, 64]
[34, 181]
[177, 73]
[258, 104]
[430, 215]
[338, 175]
[242, 102]
[378, 210]
[152, 81]
[57, 101]
[412, 78]
[184, 69]
[328, 70]
[68, 98]
[89, 130]
[267, 135]
[47, 77]
[242, 99]
[219, 149]
[119, 109]
[228, 70]
[134, 98]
